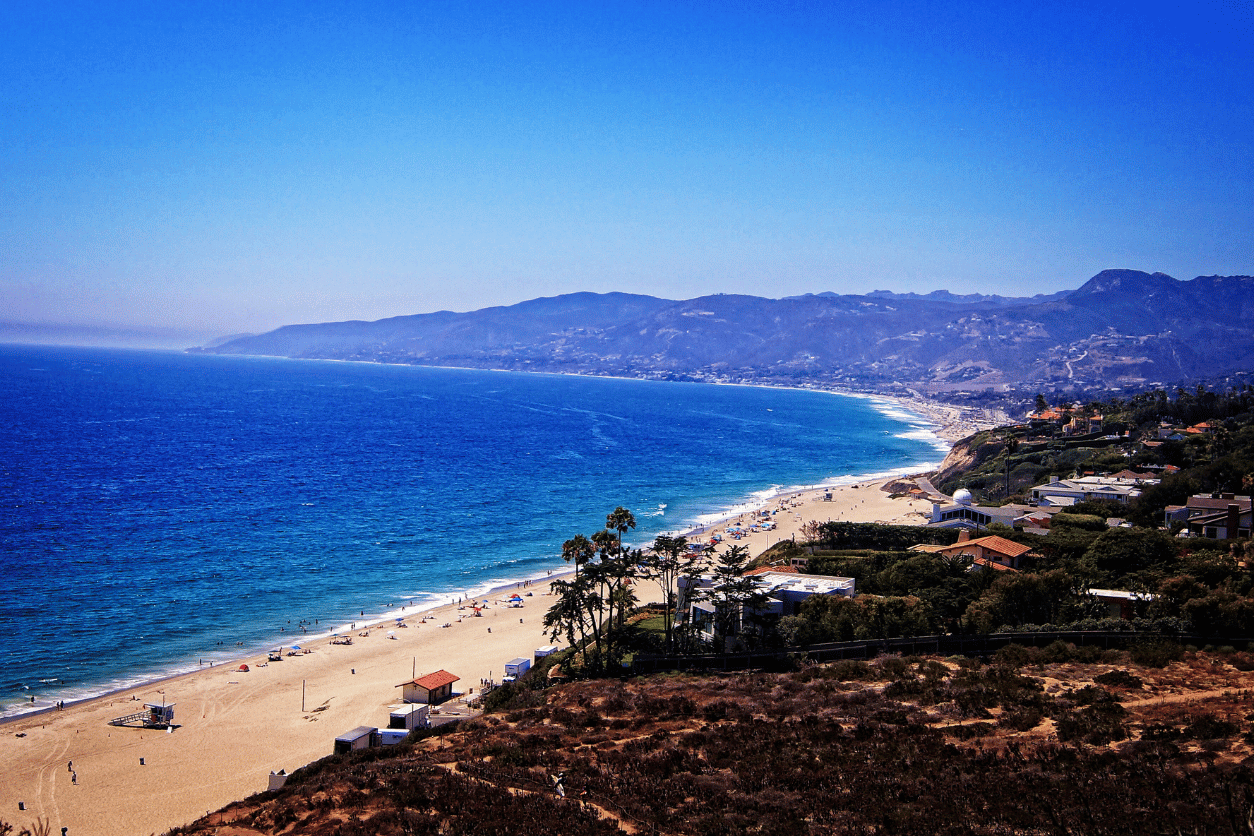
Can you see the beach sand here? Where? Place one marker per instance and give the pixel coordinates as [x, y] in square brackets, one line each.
[234, 728]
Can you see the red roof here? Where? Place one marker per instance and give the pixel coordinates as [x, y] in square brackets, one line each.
[993, 543]
[432, 681]
[1000, 544]
[761, 570]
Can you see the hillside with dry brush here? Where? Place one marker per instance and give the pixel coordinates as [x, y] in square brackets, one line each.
[1049, 741]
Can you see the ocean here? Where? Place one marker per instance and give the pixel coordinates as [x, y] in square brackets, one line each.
[160, 510]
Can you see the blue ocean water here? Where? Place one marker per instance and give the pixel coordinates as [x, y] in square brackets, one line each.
[158, 509]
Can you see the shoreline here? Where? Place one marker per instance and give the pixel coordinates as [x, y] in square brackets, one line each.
[704, 524]
[235, 727]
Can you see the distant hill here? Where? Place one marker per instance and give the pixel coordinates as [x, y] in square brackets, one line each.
[1121, 328]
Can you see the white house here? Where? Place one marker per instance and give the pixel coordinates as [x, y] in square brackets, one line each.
[784, 591]
[1087, 488]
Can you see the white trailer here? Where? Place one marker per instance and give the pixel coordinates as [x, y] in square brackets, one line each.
[516, 668]
[409, 717]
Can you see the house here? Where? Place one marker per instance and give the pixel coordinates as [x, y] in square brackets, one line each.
[1218, 516]
[788, 589]
[1134, 476]
[964, 513]
[1228, 524]
[784, 590]
[1088, 488]
[1035, 522]
[432, 689]
[980, 563]
[983, 551]
[1120, 603]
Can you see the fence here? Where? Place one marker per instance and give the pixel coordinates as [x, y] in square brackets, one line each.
[952, 645]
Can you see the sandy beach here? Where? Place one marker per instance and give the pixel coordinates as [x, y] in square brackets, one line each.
[234, 728]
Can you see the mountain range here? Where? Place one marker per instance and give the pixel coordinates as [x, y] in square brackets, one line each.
[1121, 328]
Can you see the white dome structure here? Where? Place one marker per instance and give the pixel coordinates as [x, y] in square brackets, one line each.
[962, 496]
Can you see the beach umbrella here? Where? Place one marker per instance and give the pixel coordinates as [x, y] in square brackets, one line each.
[295, 647]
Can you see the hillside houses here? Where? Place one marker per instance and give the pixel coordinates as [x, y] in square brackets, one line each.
[1216, 516]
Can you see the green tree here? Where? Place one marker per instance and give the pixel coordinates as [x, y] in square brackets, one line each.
[1017, 599]
[666, 563]
[569, 615]
[600, 594]
[1120, 552]
[732, 594]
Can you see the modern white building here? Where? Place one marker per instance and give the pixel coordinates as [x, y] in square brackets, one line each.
[785, 591]
[1086, 488]
[964, 513]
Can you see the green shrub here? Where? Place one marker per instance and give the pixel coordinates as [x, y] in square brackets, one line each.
[893, 667]
[850, 670]
[1119, 679]
[1021, 718]
[1155, 654]
[970, 730]
[1097, 725]
[1209, 727]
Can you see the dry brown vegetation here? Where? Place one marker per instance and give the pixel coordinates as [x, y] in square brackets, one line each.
[1048, 741]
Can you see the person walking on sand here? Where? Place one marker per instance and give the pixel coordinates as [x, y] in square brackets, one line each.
[73, 777]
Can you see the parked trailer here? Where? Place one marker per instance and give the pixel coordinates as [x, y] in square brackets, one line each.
[516, 668]
[390, 737]
[362, 737]
[547, 650]
[409, 717]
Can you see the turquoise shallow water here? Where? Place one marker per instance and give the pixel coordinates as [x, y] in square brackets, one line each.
[158, 509]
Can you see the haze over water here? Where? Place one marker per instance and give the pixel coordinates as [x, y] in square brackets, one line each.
[158, 510]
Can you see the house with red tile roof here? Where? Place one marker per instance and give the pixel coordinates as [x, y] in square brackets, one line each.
[994, 549]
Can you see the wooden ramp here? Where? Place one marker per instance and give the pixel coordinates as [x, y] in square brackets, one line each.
[152, 717]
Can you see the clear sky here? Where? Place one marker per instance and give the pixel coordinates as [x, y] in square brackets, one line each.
[226, 167]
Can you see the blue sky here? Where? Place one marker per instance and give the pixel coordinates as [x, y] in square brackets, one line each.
[235, 167]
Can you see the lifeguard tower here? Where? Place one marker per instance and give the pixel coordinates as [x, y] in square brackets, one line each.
[152, 717]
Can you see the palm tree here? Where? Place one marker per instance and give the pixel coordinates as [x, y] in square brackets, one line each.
[578, 550]
[620, 521]
[1012, 444]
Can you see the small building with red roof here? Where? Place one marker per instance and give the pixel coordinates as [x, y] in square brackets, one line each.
[432, 688]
